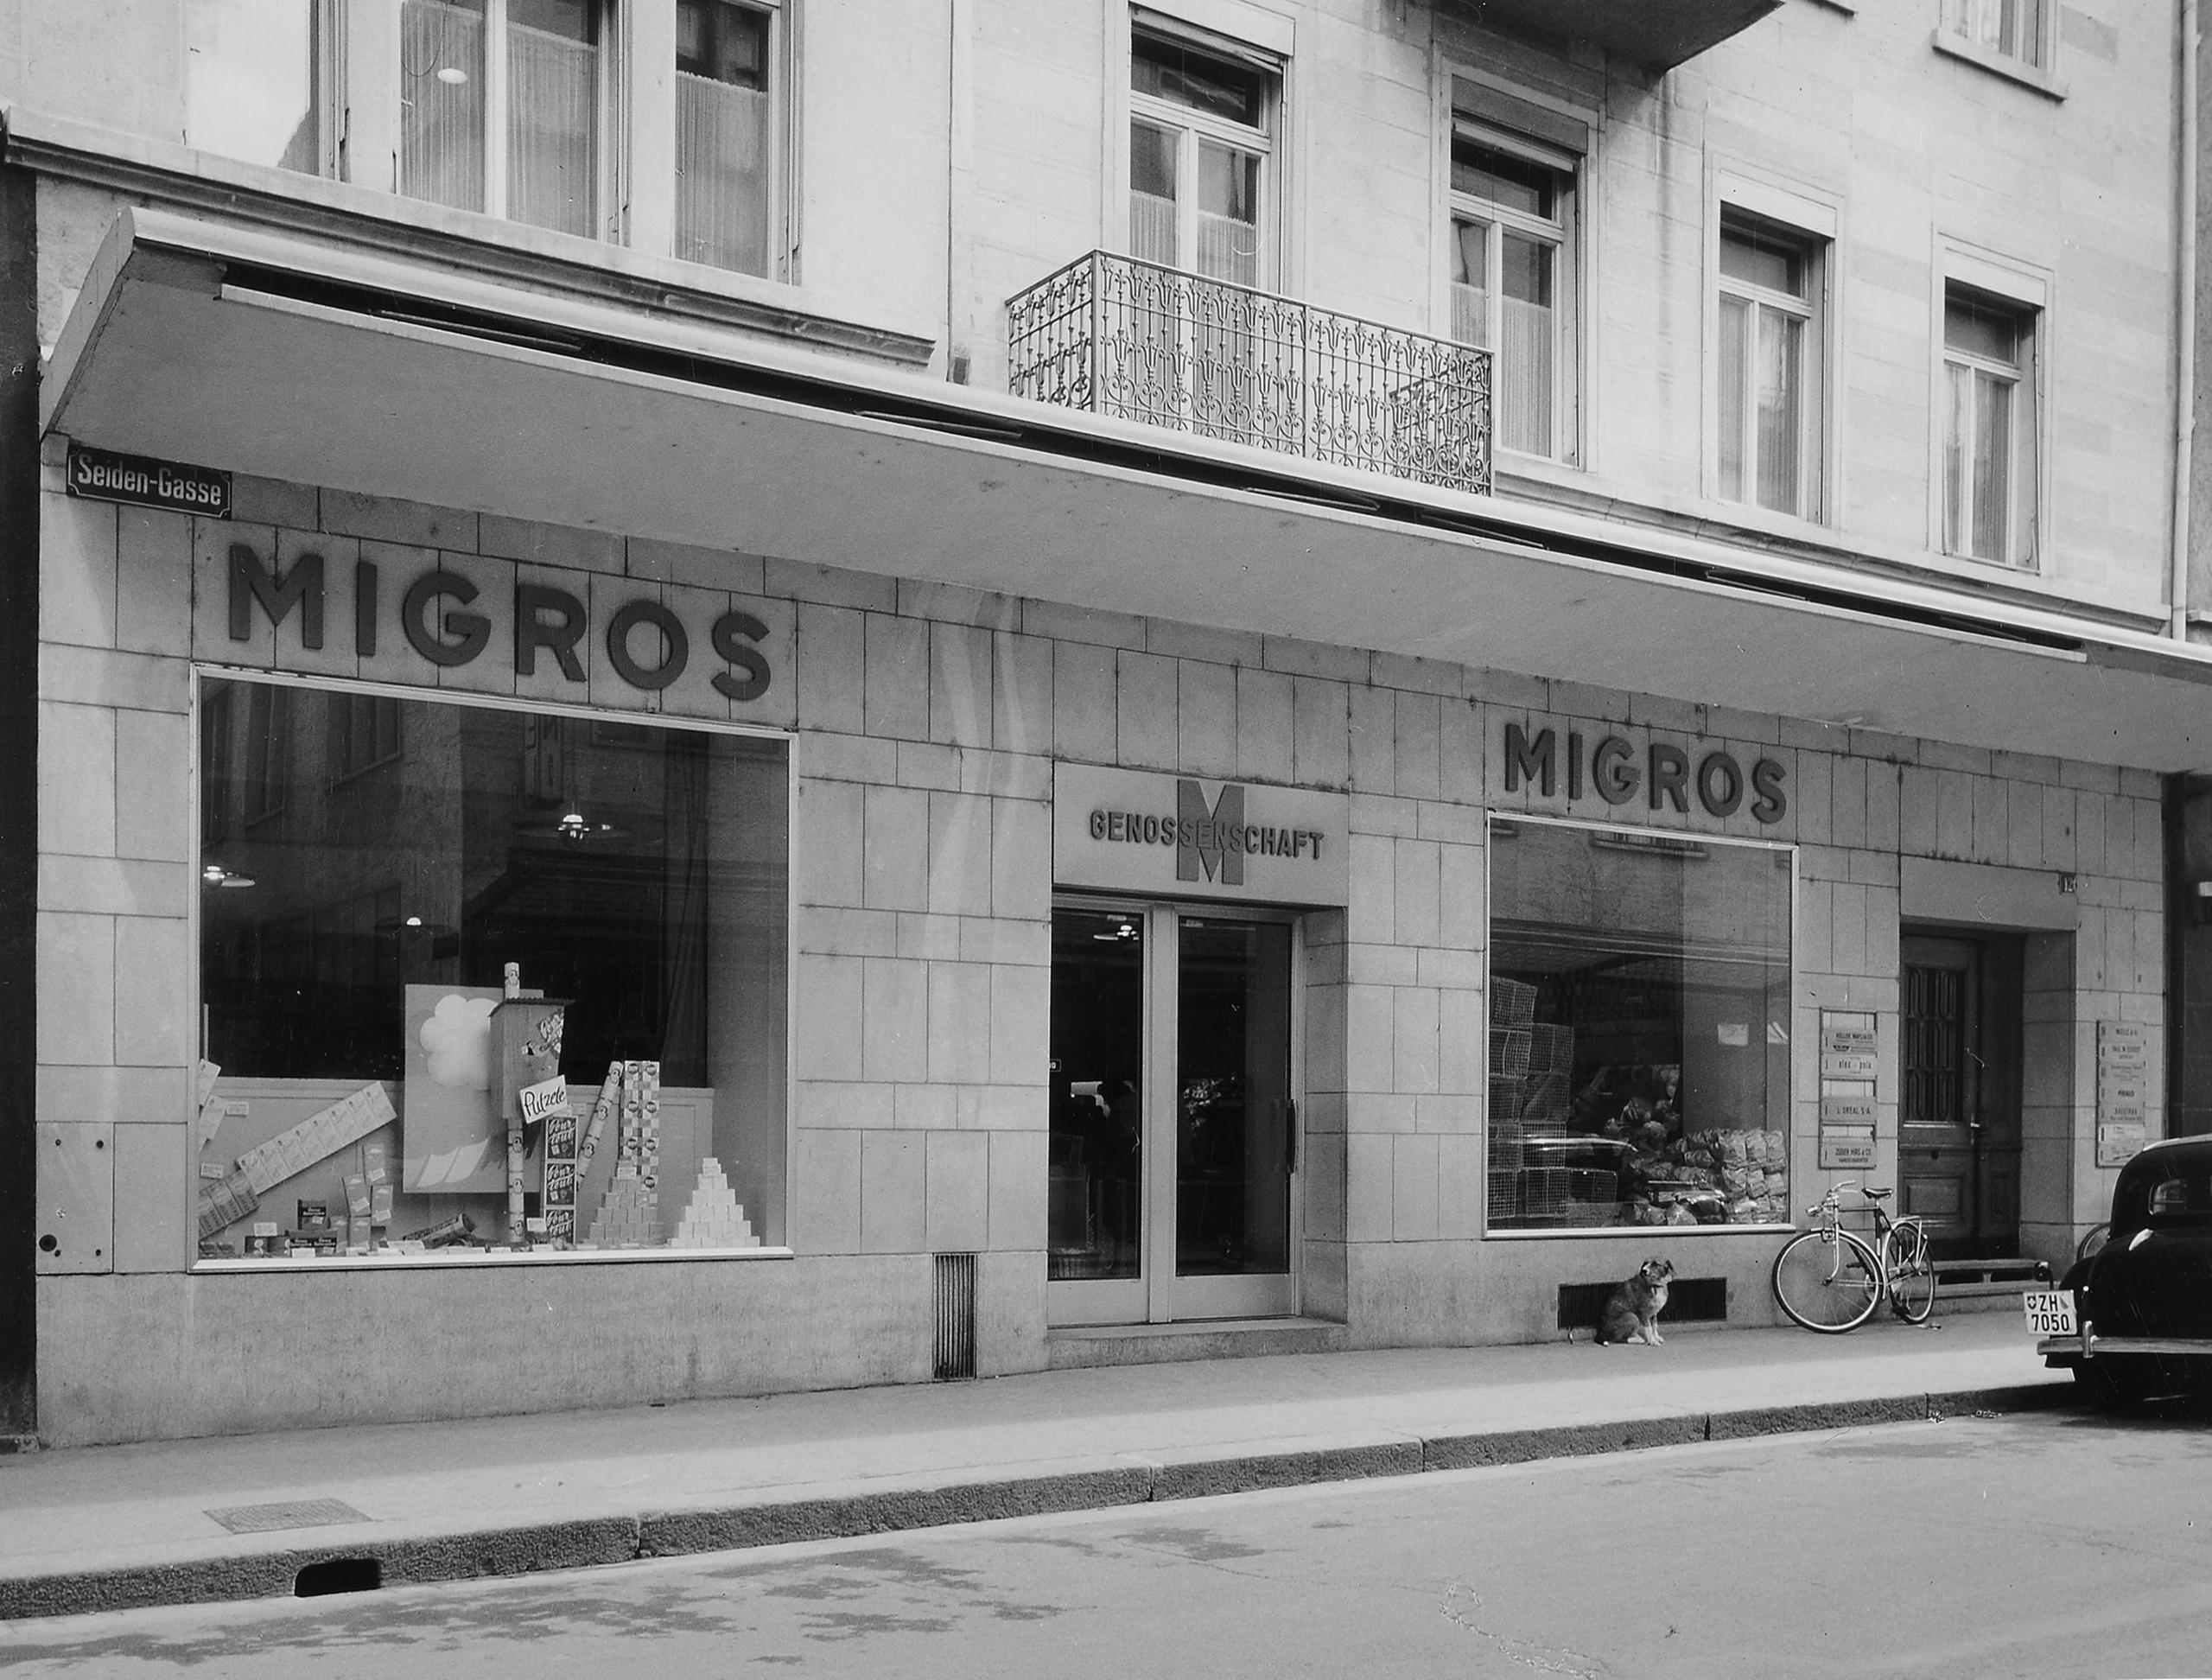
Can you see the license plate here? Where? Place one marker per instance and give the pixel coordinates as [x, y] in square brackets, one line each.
[2049, 1312]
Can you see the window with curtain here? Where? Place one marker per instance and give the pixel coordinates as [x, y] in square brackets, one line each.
[2012, 28]
[1769, 368]
[256, 81]
[1513, 284]
[724, 134]
[1989, 428]
[503, 108]
[1200, 153]
[356, 933]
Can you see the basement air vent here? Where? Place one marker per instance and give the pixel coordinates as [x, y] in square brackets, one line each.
[955, 1316]
[1690, 1301]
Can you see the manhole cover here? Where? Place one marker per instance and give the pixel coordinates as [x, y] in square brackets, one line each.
[286, 1514]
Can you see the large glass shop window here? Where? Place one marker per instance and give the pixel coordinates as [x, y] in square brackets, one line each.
[1639, 1029]
[476, 981]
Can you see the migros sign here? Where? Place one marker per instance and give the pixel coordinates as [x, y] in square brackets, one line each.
[446, 618]
[1615, 770]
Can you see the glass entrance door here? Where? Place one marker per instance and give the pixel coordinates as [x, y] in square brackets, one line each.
[1172, 1178]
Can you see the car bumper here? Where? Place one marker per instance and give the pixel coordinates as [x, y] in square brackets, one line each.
[2087, 1344]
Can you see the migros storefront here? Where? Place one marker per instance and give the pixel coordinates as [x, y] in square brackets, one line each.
[494, 962]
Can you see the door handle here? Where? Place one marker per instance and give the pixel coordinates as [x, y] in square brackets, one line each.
[1290, 1134]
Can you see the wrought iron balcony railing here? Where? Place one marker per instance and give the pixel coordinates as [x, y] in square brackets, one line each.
[1142, 342]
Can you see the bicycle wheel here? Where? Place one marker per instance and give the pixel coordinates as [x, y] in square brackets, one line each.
[1827, 1282]
[1911, 1275]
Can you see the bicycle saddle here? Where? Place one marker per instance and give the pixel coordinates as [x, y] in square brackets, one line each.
[1872, 1194]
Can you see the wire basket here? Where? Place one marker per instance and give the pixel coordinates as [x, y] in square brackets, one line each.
[1543, 1195]
[1512, 1003]
[1508, 1052]
[1505, 1197]
[1592, 1183]
[1506, 1098]
[1551, 1049]
[1547, 1104]
[1505, 1150]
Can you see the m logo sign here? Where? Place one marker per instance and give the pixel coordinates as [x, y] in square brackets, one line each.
[1147, 832]
[1202, 835]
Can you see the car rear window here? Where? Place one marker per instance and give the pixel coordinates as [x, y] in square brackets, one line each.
[2177, 1193]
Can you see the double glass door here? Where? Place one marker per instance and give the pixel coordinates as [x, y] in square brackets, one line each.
[1174, 1133]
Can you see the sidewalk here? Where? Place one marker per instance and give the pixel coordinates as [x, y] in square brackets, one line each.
[110, 1528]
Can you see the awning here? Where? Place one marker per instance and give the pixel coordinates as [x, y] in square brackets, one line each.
[263, 352]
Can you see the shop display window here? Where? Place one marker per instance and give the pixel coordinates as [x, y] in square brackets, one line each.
[1639, 1029]
[478, 980]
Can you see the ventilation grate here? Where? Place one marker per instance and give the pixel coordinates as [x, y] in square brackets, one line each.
[955, 1316]
[1690, 1301]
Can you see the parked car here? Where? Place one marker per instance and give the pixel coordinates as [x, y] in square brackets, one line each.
[2143, 1302]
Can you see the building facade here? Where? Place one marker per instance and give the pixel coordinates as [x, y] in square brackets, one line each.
[1249, 676]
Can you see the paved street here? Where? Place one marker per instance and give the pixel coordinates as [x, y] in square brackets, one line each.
[2052, 1544]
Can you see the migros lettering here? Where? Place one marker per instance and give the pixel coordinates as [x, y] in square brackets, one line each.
[442, 615]
[1665, 775]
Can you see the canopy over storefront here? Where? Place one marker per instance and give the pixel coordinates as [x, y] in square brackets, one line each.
[260, 351]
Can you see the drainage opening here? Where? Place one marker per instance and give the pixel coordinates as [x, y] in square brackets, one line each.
[338, 1575]
[955, 1316]
[1690, 1301]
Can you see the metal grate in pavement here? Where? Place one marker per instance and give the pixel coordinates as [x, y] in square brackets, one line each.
[286, 1514]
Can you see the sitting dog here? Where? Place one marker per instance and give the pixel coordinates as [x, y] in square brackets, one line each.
[1632, 1312]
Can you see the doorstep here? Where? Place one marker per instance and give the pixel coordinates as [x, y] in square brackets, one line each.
[1070, 1345]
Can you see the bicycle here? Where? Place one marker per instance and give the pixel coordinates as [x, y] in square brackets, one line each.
[1830, 1280]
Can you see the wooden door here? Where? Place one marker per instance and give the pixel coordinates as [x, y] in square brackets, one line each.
[1958, 1130]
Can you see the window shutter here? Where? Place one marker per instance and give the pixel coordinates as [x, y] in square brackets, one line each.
[1501, 110]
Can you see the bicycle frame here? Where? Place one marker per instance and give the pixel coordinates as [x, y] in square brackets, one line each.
[1892, 1265]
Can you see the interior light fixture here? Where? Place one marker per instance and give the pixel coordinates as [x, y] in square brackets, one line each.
[216, 875]
[452, 75]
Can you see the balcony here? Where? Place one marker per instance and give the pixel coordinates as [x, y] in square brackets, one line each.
[1657, 33]
[1138, 341]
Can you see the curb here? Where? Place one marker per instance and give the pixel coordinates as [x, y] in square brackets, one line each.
[1142, 1479]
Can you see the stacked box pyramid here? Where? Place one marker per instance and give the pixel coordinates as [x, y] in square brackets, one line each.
[713, 1217]
[629, 1215]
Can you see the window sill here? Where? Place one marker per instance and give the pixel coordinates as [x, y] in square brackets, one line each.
[478, 1260]
[1549, 470]
[1998, 64]
[162, 172]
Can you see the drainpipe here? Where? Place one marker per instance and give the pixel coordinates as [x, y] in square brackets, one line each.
[2185, 367]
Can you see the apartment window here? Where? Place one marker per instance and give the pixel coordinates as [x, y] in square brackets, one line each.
[725, 53]
[1200, 152]
[504, 108]
[1769, 371]
[2013, 29]
[256, 78]
[1989, 428]
[268, 752]
[218, 767]
[364, 734]
[1513, 284]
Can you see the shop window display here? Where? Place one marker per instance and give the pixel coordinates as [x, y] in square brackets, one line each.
[482, 981]
[1639, 1029]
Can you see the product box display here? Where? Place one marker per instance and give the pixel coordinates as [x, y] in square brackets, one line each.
[454, 1140]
